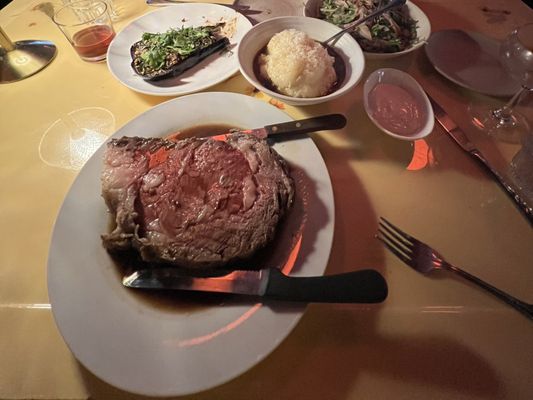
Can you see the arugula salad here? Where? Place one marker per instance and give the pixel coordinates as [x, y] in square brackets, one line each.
[159, 55]
[391, 32]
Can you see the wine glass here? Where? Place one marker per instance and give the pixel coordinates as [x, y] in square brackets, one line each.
[505, 123]
[24, 58]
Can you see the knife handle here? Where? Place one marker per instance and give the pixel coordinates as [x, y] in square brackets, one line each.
[520, 202]
[365, 286]
[324, 122]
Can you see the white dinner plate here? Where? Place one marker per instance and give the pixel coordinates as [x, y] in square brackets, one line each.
[170, 348]
[471, 60]
[214, 69]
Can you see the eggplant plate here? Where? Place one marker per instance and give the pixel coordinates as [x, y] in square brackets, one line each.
[164, 55]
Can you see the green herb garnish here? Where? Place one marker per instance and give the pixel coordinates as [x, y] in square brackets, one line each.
[160, 49]
[338, 12]
[393, 31]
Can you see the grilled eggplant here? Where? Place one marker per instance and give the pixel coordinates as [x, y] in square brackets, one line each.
[164, 55]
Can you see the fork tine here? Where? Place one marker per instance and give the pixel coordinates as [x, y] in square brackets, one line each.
[395, 250]
[393, 239]
[403, 236]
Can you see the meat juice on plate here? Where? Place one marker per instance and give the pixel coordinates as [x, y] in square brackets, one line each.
[273, 254]
[203, 131]
[395, 109]
[174, 301]
[93, 41]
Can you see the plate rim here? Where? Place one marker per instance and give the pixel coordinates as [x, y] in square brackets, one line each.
[476, 36]
[297, 311]
[162, 10]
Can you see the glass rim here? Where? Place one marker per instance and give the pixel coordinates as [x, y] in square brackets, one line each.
[73, 3]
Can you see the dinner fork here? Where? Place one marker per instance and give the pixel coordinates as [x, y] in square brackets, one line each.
[424, 259]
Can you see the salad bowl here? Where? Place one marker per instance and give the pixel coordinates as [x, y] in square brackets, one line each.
[423, 28]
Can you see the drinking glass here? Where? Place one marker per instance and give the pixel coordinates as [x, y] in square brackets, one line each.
[88, 27]
[505, 123]
[111, 9]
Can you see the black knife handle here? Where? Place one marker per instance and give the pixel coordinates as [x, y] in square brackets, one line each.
[324, 122]
[520, 202]
[364, 286]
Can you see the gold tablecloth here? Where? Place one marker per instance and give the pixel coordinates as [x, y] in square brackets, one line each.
[431, 339]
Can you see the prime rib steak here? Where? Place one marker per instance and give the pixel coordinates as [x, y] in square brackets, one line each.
[194, 203]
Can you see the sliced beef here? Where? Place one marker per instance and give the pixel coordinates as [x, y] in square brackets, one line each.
[194, 203]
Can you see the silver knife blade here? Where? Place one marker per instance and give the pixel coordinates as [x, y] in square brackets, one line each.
[171, 2]
[362, 286]
[238, 282]
[451, 127]
[241, 8]
[460, 138]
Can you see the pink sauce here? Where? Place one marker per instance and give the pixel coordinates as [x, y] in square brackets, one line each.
[395, 109]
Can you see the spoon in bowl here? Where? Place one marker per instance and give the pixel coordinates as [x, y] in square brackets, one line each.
[393, 4]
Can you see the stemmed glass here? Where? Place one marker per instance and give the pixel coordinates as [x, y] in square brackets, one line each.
[24, 58]
[505, 123]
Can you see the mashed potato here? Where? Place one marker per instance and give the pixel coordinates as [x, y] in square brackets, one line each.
[297, 65]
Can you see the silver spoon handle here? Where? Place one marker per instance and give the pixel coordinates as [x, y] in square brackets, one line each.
[393, 4]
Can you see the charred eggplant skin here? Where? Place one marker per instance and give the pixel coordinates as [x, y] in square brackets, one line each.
[181, 65]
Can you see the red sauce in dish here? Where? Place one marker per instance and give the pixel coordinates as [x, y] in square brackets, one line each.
[395, 109]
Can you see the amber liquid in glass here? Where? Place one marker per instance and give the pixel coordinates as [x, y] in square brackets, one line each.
[92, 42]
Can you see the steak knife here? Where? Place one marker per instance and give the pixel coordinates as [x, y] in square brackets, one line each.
[363, 286]
[461, 139]
[323, 122]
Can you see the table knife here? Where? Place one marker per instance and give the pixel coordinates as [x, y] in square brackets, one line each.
[363, 286]
[243, 9]
[170, 2]
[461, 139]
[320, 123]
